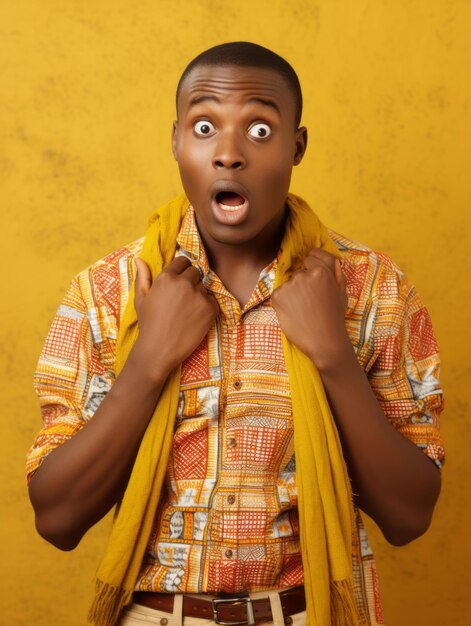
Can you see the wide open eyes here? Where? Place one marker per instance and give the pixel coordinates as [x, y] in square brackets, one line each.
[203, 128]
[260, 130]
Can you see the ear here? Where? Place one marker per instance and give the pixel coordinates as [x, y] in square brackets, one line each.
[174, 139]
[301, 145]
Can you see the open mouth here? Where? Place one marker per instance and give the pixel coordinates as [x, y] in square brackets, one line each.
[230, 201]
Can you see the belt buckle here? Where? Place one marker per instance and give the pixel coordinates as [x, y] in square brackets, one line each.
[248, 602]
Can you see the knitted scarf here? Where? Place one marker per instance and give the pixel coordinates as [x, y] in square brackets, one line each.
[324, 496]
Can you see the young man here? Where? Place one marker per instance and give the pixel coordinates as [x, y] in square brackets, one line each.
[241, 318]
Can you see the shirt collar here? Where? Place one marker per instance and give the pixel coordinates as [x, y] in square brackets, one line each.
[190, 245]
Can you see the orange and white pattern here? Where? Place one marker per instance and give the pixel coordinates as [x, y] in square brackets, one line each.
[227, 520]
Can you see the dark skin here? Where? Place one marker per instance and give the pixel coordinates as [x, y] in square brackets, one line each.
[235, 103]
[81, 480]
[236, 127]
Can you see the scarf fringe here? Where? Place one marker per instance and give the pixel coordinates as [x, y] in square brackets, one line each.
[107, 604]
[343, 608]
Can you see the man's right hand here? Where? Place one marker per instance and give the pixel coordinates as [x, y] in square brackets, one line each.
[83, 478]
[175, 313]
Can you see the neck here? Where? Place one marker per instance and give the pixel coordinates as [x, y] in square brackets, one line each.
[249, 256]
[239, 265]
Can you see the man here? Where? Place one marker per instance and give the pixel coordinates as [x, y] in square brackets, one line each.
[237, 316]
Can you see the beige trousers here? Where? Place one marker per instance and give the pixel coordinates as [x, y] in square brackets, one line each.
[138, 615]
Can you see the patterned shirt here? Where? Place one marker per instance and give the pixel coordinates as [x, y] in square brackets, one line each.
[227, 519]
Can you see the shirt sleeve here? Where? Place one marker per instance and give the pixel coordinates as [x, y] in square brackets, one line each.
[404, 363]
[75, 369]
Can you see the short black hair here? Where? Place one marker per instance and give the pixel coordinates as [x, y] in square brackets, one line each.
[247, 54]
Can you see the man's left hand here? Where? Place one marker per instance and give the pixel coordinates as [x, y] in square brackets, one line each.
[311, 308]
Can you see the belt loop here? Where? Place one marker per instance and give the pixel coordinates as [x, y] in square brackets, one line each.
[178, 609]
[276, 608]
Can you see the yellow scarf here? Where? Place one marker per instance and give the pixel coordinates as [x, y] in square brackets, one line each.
[324, 496]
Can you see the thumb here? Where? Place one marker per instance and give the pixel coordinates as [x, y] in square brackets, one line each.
[338, 272]
[143, 279]
[214, 303]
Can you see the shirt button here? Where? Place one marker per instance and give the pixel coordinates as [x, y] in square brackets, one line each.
[231, 499]
[228, 554]
[237, 384]
[232, 442]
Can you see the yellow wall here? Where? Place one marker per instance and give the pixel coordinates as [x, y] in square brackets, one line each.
[86, 105]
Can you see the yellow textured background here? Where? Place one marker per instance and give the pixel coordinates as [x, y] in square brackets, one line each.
[86, 105]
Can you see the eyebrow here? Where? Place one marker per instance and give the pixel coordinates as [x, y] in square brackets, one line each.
[254, 99]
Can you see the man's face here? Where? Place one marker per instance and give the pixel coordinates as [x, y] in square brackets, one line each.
[236, 143]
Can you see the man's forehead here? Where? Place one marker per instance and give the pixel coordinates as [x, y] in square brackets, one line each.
[246, 81]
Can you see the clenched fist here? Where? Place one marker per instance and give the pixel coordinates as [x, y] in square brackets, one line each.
[311, 309]
[175, 313]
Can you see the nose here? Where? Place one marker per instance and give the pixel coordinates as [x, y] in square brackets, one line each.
[228, 153]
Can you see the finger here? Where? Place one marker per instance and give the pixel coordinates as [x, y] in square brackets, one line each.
[178, 265]
[143, 277]
[294, 274]
[324, 256]
[311, 261]
[328, 260]
[200, 287]
[142, 283]
[193, 274]
[338, 273]
[209, 296]
[214, 303]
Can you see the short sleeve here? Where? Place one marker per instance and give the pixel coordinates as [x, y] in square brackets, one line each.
[404, 364]
[73, 373]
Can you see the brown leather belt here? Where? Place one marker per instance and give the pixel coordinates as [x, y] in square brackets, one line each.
[227, 609]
